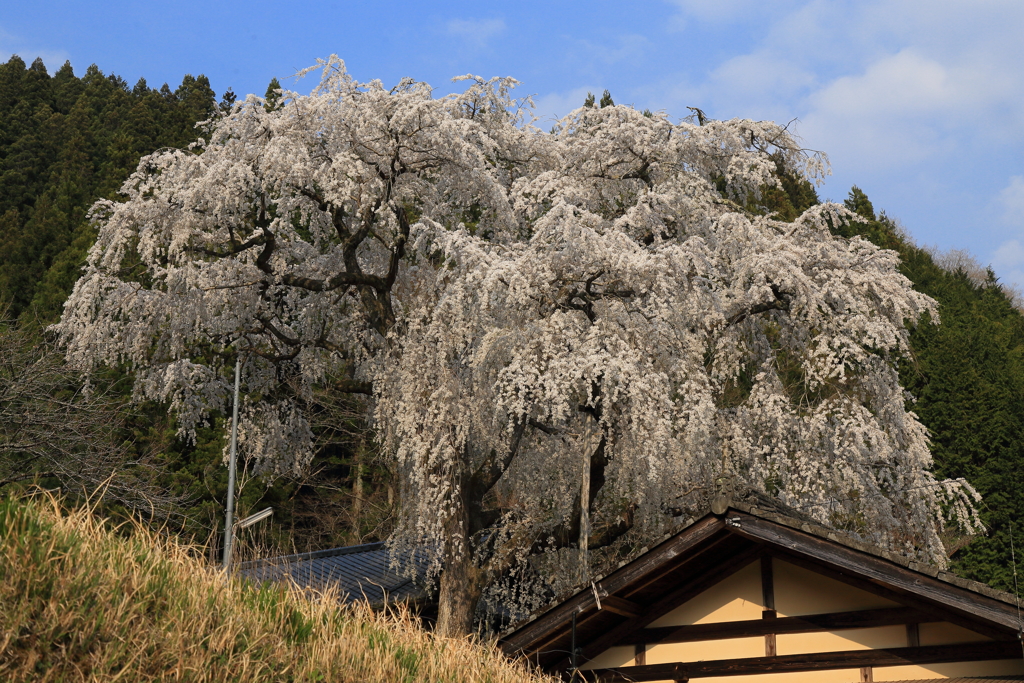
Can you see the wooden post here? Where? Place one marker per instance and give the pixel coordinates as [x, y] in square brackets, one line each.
[640, 655]
[768, 600]
[867, 674]
[913, 635]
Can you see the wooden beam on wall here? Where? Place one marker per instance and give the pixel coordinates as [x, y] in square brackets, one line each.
[768, 602]
[937, 612]
[913, 634]
[812, 623]
[818, 661]
[621, 606]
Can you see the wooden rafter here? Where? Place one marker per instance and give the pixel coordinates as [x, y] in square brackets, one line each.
[551, 625]
[818, 661]
[717, 546]
[814, 623]
[937, 611]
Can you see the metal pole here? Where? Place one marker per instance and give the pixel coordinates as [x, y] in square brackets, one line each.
[572, 658]
[229, 522]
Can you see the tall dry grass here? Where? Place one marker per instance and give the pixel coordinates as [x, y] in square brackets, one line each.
[79, 603]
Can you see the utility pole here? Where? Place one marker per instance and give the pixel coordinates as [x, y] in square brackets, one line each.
[229, 522]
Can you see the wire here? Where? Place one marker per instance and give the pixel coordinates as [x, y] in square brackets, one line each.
[1013, 560]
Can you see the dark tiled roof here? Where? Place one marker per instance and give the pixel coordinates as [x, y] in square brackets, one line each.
[357, 572]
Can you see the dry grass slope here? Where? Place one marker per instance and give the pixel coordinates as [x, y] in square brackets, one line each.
[78, 603]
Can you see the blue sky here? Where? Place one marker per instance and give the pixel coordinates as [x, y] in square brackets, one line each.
[920, 103]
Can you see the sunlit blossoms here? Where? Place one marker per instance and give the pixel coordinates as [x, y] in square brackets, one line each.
[568, 338]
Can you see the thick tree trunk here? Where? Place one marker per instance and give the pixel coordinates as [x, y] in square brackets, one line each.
[462, 582]
[461, 588]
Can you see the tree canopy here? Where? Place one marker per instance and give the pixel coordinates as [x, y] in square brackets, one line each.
[566, 337]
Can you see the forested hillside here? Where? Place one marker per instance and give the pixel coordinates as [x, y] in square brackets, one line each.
[66, 141]
[968, 379]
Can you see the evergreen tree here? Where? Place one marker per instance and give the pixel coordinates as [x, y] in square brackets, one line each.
[859, 203]
[227, 100]
[272, 98]
[64, 142]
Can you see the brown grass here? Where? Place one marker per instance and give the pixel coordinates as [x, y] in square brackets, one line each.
[80, 603]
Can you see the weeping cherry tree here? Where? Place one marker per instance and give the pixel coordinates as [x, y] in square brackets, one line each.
[565, 338]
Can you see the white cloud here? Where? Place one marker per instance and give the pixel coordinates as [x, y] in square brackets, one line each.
[1008, 262]
[1010, 254]
[475, 33]
[919, 101]
[1008, 257]
[760, 78]
[1011, 201]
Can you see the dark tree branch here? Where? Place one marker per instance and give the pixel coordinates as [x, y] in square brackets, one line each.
[781, 303]
[351, 386]
[399, 250]
[236, 249]
[270, 327]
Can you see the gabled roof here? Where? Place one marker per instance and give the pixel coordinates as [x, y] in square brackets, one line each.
[357, 572]
[690, 561]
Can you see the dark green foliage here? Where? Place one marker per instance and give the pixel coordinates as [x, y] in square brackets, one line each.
[795, 195]
[589, 102]
[606, 100]
[859, 203]
[65, 142]
[227, 101]
[272, 99]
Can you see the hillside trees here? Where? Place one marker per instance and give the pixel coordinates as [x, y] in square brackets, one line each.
[94, 132]
[64, 141]
[564, 338]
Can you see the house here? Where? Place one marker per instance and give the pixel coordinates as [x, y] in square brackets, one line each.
[749, 595]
